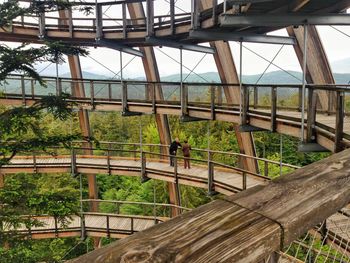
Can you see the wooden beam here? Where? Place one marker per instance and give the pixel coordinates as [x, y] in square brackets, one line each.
[246, 227]
[228, 74]
[318, 68]
[149, 61]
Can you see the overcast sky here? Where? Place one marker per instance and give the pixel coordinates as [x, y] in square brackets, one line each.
[336, 45]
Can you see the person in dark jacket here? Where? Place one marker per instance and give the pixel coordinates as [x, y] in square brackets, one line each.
[173, 149]
[186, 150]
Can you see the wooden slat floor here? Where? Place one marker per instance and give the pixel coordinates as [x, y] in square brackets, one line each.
[226, 176]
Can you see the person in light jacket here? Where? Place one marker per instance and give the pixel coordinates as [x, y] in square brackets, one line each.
[186, 150]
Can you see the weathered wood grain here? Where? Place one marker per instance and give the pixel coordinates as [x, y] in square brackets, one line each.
[217, 232]
[246, 227]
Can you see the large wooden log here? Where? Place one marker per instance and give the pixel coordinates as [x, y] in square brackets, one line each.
[246, 227]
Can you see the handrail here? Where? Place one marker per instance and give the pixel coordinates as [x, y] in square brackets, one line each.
[117, 81]
[136, 203]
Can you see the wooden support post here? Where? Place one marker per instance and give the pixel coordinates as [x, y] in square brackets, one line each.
[99, 21]
[172, 16]
[311, 116]
[219, 95]
[152, 75]
[150, 17]
[273, 108]
[245, 105]
[339, 122]
[35, 170]
[212, 102]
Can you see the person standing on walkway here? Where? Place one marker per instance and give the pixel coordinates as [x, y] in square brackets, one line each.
[173, 150]
[186, 150]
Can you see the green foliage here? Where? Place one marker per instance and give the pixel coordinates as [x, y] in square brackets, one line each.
[22, 59]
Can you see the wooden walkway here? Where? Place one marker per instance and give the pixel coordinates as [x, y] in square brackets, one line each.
[225, 180]
[324, 127]
[93, 224]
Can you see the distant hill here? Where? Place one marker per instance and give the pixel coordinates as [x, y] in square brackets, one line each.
[275, 77]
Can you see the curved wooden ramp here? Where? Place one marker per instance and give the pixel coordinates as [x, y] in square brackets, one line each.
[225, 179]
[93, 225]
[328, 128]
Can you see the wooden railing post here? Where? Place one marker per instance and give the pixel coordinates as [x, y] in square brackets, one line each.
[339, 122]
[92, 94]
[172, 16]
[82, 226]
[56, 226]
[107, 225]
[124, 20]
[245, 105]
[23, 91]
[311, 116]
[273, 108]
[35, 169]
[300, 98]
[256, 97]
[214, 16]
[132, 225]
[144, 178]
[99, 22]
[244, 180]
[59, 87]
[266, 169]
[153, 98]
[150, 17]
[109, 91]
[109, 160]
[211, 187]
[195, 22]
[176, 179]
[73, 162]
[32, 89]
[124, 97]
[184, 99]
[212, 102]
[42, 26]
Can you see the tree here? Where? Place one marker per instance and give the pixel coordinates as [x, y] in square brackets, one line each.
[22, 131]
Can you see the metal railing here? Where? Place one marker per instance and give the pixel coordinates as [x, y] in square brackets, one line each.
[87, 223]
[269, 102]
[226, 178]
